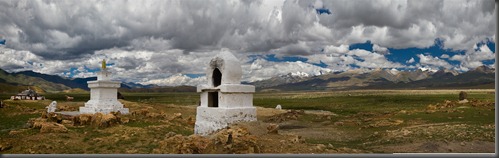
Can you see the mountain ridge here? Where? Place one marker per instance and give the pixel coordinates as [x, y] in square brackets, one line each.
[481, 76]
[383, 79]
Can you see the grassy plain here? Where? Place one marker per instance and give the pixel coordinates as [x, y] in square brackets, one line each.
[365, 121]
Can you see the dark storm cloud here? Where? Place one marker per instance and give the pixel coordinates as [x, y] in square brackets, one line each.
[72, 28]
[460, 23]
[145, 37]
[69, 29]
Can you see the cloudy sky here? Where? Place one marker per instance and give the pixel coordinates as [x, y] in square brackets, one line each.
[170, 42]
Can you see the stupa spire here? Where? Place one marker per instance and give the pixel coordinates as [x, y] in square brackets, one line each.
[103, 64]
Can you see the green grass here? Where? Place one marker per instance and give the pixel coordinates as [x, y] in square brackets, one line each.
[13, 119]
[14, 122]
[141, 124]
[78, 97]
[475, 116]
[95, 134]
[343, 104]
[177, 98]
[380, 103]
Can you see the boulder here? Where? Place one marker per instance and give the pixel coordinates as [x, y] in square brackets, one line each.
[296, 139]
[152, 115]
[191, 120]
[278, 107]
[463, 101]
[463, 95]
[52, 107]
[15, 132]
[98, 119]
[178, 144]
[236, 140]
[51, 127]
[339, 123]
[448, 104]
[273, 128]
[82, 119]
[67, 122]
[4, 147]
[176, 116]
[320, 147]
[104, 120]
[54, 117]
[289, 115]
[36, 122]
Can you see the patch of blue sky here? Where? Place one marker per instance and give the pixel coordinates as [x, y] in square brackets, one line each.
[109, 64]
[194, 75]
[405, 54]
[321, 64]
[323, 11]
[489, 43]
[396, 55]
[436, 50]
[74, 71]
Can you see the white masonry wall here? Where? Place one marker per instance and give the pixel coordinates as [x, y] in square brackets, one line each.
[235, 100]
[211, 119]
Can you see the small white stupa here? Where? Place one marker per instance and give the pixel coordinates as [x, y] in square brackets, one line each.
[103, 95]
[224, 100]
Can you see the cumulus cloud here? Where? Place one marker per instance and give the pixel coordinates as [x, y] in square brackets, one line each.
[74, 28]
[342, 49]
[403, 24]
[444, 56]
[177, 80]
[474, 58]
[71, 29]
[127, 66]
[410, 61]
[339, 58]
[433, 62]
[380, 50]
[372, 60]
[156, 39]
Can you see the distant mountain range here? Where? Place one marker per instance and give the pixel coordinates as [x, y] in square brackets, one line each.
[17, 81]
[481, 77]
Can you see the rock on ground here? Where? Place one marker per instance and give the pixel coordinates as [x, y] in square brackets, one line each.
[51, 127]
[237, 140]
[273, 128]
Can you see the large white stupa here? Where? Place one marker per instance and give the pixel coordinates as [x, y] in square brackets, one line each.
[224, 100]
[103, 95]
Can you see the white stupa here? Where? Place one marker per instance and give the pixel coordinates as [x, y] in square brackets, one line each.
[224, 100]
[103, 95]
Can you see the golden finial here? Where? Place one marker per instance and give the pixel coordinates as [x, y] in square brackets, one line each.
[103, 64]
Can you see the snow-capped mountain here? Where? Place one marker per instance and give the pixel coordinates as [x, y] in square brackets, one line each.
[379, 78]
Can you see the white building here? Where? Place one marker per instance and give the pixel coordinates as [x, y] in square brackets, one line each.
[103, 95]
[224, 100]
[28, 94]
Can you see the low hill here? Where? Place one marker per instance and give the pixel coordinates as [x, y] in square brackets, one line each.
[22, 81]
[72, 83]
